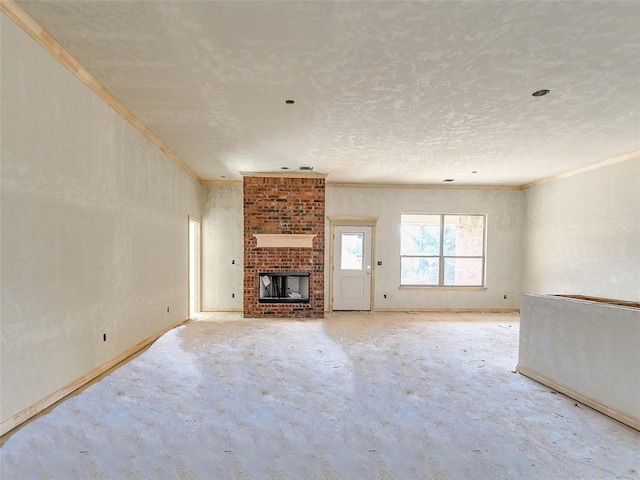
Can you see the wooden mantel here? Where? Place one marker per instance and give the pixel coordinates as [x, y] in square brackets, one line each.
[283, 240]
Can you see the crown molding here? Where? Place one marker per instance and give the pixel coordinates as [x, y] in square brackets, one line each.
[235, 183]
[35, 31]
[285, 174]
[588, 168]
[415, 186]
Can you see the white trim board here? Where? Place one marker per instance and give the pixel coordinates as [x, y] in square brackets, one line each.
[41, 405]
[612, 412]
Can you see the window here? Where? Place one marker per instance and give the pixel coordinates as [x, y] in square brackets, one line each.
[442, 250]
[351, 255]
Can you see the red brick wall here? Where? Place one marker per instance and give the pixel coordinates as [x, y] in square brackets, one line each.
[284, 206]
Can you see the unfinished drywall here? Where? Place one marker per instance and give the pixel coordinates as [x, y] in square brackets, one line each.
[503, 210]
[582, 234]
[222, 248]
[94, 228]
[588, 350]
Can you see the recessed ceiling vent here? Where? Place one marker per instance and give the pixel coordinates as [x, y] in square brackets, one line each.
[449, 180]
[541, 93]
[306, 168]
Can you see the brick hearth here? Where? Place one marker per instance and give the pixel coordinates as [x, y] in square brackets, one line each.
[287, 205]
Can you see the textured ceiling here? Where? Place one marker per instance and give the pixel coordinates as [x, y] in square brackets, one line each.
[385, 92]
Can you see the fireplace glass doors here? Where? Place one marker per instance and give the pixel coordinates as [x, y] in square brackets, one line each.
[283, 288]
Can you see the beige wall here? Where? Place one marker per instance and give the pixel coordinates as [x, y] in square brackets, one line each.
[222, 248]
[503, 210]
[94, 228]
[582, 234]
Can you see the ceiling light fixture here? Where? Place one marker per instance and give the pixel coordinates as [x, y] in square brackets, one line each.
[540, 93]
[449, 180]
[474, 171]
[284, 168]
[289, 102]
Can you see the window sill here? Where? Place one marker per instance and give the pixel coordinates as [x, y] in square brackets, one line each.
[435, 287]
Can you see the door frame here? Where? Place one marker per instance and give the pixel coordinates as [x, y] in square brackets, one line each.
[198, 264]
[346, 221]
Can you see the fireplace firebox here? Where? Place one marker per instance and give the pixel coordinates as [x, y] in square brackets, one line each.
[283, 288]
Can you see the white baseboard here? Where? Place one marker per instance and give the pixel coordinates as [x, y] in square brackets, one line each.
[623, 417]
[24, 415]
[449, 310]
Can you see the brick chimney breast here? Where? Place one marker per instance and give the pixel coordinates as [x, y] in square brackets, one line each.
[283, 207]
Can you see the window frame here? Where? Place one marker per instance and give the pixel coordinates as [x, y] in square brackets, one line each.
[441, 257]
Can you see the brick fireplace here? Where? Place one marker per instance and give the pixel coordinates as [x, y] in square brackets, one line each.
[284, 218]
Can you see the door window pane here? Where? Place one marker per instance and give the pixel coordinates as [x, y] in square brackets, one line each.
[351, 256]
[419, 271]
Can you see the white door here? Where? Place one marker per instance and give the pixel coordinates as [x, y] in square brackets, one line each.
[352, 268]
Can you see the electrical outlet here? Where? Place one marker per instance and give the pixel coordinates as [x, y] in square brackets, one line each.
[104, 337]
[167, 309]
[233, 295]
[505, 297]
[385, 295]
[233, 262]
[379, 263]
